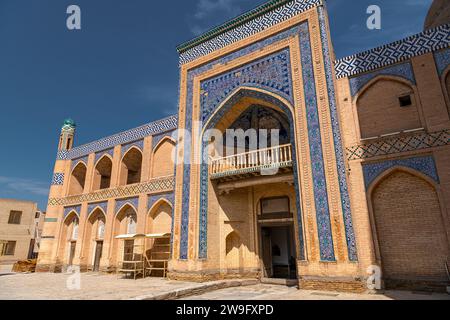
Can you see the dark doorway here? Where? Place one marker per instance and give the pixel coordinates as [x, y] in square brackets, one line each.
[278, 252]
[98, 255]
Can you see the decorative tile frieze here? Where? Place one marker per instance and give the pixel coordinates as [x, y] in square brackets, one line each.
[399, 144]
[165, 184]
[425, 165]
[261, 22]
[68, 210]
[338, 144]
[315, 146]
[58, 179]
[133, 202]
[403, 70]
[428, 41]
[271, 73]
[153, 128]
[442, 59]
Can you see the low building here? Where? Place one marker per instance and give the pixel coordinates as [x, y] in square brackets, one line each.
[21, 225]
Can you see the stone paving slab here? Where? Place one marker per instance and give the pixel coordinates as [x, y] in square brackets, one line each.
[276, 292]
[50, 286]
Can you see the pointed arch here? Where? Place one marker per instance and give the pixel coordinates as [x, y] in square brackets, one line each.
[446, 87]
[233, 251]
[246, 95]
[383, 99]
[102, 173]
[131, 166]
[163, 158]
[160, 217]
[77, 179]
[407, 220]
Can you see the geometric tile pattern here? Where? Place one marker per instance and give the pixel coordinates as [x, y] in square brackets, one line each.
[338, 144]
[315, 146]
[102, 205]
[425, 165]
[58, 179]
[270, 73]
[137, 144]
[158, 185]
[100, 154]
[133, 202]
[158, 138]
[236, 31]
[428, 41]
[404, 71]
[153, 128]
[152, 199]
[442, 59]
[77, 161]
[68, 210]
[399, 144]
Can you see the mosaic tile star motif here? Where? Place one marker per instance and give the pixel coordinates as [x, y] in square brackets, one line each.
[58, 179]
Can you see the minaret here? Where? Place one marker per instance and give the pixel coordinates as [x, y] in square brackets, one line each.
[67, 135]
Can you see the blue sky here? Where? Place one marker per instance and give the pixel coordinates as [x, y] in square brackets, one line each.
[121, 69]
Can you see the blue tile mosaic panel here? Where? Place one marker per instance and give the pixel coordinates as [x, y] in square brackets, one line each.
[425, 165]
[134, 202]
[102, 205]
[403, 70]
[271, 73]
[137, 144]
[315, 146]
[338, 145]
[58, 179]
[68, 210]
[100, 154]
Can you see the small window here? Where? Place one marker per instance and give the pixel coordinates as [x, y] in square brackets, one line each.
[405, 101]
[37, 215]
[15, 217]
[10, 248]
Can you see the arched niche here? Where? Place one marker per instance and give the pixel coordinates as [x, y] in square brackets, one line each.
[102, 174]
[162, 163]
[77, 179]
[387, 105]
[131, 167]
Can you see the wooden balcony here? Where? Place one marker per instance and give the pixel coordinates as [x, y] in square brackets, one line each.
[262, 162]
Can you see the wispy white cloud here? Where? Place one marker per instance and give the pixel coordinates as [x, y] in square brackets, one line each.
[14, 186]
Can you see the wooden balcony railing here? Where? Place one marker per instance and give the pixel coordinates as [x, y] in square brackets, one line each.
[252, 162]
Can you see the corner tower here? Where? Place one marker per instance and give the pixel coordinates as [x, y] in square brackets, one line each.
[67, 135]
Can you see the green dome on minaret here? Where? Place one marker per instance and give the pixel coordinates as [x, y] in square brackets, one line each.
[69, 125]
[70, 122]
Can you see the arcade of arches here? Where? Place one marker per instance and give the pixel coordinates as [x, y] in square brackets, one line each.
[353, 173]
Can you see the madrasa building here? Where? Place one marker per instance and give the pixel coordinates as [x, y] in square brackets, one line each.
[357, 185]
